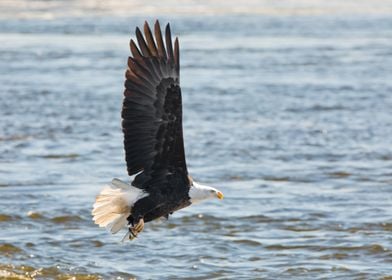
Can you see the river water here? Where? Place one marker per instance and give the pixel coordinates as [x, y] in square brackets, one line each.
[287, 110]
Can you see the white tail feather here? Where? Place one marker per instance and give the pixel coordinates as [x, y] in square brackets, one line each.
[117, 224]
[114, 204]
[126, 236]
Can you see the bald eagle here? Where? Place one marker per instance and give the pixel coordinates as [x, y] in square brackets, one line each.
[153, 141]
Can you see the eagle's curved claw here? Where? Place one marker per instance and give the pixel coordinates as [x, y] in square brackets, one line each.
[135, 230]
[139, 226]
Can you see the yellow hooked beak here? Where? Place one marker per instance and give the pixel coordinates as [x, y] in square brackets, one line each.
[219, 195]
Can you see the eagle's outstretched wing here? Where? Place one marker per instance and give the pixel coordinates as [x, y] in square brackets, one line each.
[152, 112]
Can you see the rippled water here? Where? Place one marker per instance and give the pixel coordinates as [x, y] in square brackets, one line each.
[288, 113]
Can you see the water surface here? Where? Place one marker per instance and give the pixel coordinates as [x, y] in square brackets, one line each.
[286, 110]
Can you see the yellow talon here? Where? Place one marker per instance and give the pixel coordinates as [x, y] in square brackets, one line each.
[138, 227]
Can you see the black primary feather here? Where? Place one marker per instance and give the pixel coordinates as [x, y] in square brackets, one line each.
[152, 122]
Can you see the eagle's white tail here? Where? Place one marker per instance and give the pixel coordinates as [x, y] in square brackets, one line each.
[114, 204]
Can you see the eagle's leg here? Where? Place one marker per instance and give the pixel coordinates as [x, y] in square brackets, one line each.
[141, 213]
[139, 226]
[135, 229]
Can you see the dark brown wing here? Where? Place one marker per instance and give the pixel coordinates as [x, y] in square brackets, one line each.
[152, 112]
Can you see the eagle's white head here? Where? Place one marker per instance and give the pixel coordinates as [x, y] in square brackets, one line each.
[199, 192]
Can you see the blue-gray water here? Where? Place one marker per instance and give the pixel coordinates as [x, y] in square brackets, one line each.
[288, 113]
